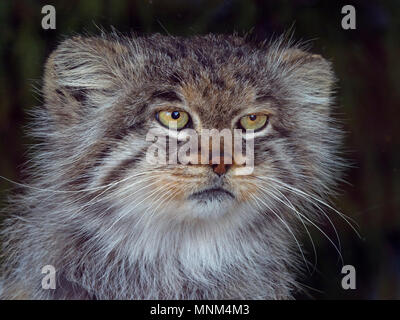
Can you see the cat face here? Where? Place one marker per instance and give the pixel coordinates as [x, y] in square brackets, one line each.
[104, 95]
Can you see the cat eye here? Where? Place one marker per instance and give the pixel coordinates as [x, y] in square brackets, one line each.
[173, 119]
[253, 121]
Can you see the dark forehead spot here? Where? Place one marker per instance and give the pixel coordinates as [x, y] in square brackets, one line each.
[219, 82]
[175, 78]
[181, 50]
[244, 77]
[205, 61]
[169, 53]
[264, 97]
[167, 95]
[239, 53]
[206, 92]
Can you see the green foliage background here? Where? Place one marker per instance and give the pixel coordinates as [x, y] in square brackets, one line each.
[366, 61]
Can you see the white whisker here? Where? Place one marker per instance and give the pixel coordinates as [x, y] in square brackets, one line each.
[286, 226]
[307, 197]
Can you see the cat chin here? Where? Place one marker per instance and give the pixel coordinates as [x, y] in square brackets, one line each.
[207, 209]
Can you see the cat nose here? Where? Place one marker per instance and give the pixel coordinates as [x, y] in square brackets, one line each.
[218, 165]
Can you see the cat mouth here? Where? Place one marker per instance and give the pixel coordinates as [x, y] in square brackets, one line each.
[218, 194]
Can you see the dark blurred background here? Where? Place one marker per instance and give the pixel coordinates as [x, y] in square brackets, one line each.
[366, 61]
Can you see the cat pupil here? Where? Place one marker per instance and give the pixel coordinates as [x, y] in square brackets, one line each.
[175, 115]
[253, 117]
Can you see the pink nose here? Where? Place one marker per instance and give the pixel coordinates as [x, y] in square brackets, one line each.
[218, 165]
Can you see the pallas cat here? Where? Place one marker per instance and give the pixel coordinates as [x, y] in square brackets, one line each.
[115, 226]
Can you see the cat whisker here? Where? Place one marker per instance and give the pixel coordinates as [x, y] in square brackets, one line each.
[129, 195]
[305, 227]
[73, 191]
[292, 233]
[310, 221]
[306, 196]
[286, 226]
[322, 211]
[159, 189]
[98, 197]
[163, 201]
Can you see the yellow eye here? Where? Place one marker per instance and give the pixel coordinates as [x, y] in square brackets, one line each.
[173, 119]
[253, 121]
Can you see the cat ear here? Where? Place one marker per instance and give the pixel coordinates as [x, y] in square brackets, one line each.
[312, 78]
[80, 74]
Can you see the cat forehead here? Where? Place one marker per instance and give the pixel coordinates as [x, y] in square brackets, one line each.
[216, 97]
[215, 58]
[217, 101]
[215, 79]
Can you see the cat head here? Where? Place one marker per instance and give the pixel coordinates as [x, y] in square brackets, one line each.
[105, 95]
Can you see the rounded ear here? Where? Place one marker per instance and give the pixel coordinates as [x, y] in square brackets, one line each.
[312, 77]
[80, 74]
